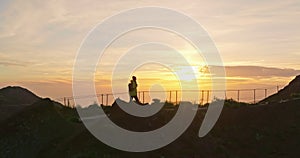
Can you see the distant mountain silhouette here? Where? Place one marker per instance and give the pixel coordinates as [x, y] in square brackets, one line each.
[291, 91]
[17, 95]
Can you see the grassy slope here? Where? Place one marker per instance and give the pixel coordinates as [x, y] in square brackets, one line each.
[14, 99]
[36, 128]
[252, 131]
[291, 91]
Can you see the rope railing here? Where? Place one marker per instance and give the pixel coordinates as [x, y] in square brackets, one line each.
[173, 96]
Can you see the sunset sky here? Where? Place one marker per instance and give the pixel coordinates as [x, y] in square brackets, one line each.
[259, 41]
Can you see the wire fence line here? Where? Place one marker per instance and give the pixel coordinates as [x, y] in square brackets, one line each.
[253, 96]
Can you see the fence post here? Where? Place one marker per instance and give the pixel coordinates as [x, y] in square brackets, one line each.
[65, 101]
[68, 102]
[207, 96]
[102, 99]
[106, 99]
[143, 97]
[254, 95]
[202, 98]
[176, 97]
[238, 95]
[266, 93]
[170, 97]
[139, 94]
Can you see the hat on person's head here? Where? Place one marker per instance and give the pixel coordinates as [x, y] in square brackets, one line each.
[133, 77]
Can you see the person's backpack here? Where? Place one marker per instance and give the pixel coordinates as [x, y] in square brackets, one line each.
[130, 87]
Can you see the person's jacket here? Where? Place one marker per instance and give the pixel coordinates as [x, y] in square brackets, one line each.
[134, 90]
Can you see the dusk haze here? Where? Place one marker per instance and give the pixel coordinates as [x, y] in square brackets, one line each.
[184, 78]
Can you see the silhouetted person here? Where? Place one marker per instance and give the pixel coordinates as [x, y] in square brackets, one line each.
[133, 91]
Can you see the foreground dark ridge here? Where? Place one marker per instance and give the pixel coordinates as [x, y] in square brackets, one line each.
[290, 92]
[41, 128]
[13, 99]
[48, 129]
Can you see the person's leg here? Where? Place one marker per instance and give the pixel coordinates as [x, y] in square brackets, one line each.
[137, 99]
[130, 98]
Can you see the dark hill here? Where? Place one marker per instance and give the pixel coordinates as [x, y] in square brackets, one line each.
[17, 95]
[291, 91]
[14, 99]
[46, 129]
[38, 127]
[249, 131]
[145, 124]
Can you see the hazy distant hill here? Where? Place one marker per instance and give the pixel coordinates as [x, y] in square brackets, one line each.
[291, 91]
